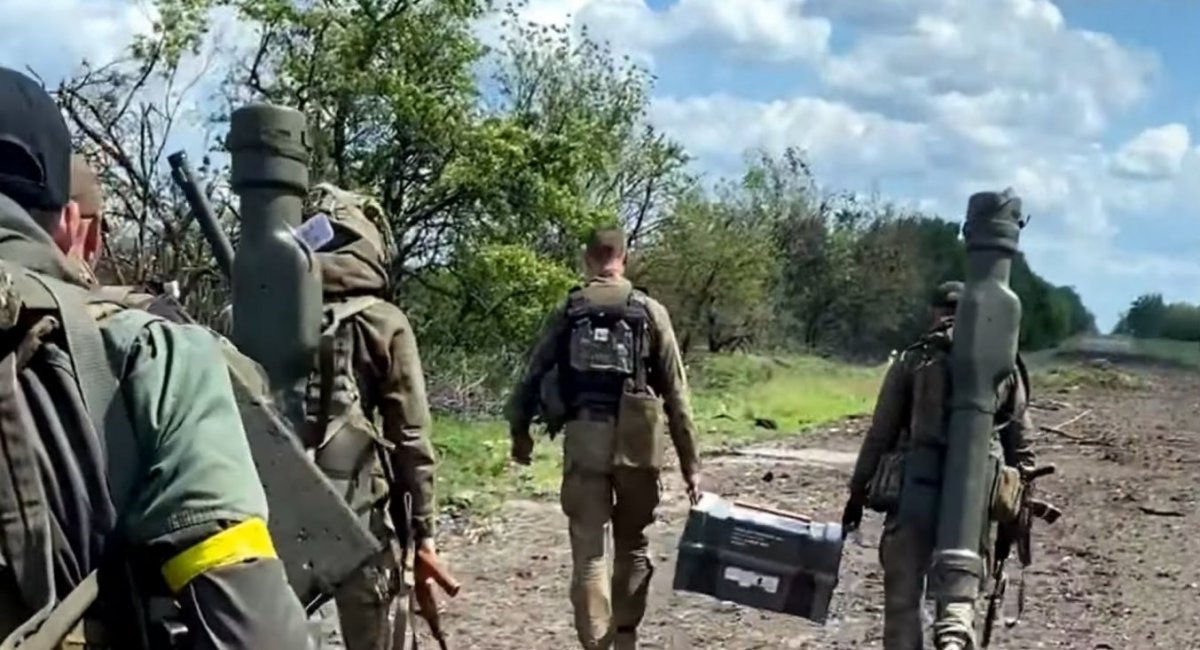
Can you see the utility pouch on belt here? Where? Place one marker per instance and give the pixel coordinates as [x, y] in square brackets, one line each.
[1007, 494]
[883, 492]
[639, 435]
[588, 445]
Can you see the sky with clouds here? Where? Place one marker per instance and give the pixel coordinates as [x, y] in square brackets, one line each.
[1086, 107]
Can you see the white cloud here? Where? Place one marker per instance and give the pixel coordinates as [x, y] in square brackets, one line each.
[1008, 64]
[53, 36]
[1154, 154]
[774, 30]
[835, 136]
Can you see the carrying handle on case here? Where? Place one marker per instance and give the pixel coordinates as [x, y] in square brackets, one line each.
[773, 511]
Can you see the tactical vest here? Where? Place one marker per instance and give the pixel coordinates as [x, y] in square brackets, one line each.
[343, 438]
[604, 347]
[929, 363]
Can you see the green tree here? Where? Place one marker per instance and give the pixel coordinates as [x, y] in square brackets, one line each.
[712, 263]
[1145, 318]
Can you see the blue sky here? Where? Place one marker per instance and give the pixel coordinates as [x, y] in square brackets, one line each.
[1086, 107]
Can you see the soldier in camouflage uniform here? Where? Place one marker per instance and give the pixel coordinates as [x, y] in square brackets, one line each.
[912, 411]
[369, 372]
[619, 371]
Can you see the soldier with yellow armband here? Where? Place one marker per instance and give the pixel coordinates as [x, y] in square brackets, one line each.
[128, 495]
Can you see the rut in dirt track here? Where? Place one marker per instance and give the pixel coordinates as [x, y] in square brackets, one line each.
[1119, 571]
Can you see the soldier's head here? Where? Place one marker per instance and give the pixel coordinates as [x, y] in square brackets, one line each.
[606, 252]
[944, 300]
[87, 238]
[35, 157]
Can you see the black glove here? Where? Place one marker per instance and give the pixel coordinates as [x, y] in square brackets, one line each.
[852, 515]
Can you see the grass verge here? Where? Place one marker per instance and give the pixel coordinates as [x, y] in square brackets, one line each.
[1069, 378]
[737, 399]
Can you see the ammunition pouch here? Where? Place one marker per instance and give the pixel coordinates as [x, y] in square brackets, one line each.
[348, 460]
[588, 444]
[883, 491]
[639, 432]
[1007, 495]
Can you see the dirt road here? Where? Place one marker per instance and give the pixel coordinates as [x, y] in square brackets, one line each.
[1120, 571]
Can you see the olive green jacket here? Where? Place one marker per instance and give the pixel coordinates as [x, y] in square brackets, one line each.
[912, 400]
[666, 376]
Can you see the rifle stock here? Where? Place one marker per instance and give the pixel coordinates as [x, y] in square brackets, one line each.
[427, 567]
[1018, 533]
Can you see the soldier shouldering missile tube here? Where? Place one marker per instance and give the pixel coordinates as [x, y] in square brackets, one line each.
[955, 477]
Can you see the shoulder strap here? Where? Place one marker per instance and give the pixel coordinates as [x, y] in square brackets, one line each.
[98, 379]
[64, 617]
[112, 293]
[641, 341]
[343, 309]
[1023, 373]
[337, 313]
[576, 303]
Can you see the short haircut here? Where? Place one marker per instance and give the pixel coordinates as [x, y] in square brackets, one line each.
[606, 244]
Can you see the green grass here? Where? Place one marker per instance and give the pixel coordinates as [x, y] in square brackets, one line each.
[1071, 377]
[729, 394]
[732, 393]
[1185, 353]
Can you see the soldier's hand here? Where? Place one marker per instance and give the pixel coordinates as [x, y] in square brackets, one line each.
[692, 481]
[852, 515]
[522, 447]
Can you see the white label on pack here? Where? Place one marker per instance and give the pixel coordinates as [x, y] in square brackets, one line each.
[747, 579]
[316, 232]
[600, 334]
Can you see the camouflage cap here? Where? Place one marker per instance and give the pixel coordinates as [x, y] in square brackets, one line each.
[946, 294]
[354, 213]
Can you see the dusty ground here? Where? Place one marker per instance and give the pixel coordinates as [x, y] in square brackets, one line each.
[1119, 571]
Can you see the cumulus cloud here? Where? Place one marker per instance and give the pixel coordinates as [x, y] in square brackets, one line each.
[1006, 64]
[772, 30]
[1154, 154]
[836, 136]
[53, 36]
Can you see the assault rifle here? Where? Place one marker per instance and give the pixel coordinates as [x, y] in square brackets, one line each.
[1017, 533]
[427, 568]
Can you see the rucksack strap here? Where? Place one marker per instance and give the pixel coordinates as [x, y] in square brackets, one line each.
[25, 528]
[343, 309]
[640, 342]
[64, 617]
[97, 377]
[335, 314]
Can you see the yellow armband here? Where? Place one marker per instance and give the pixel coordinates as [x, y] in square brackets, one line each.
[249, 540]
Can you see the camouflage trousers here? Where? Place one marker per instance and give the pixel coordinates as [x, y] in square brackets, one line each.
[608, 609]
[905, 551]
[374, 607]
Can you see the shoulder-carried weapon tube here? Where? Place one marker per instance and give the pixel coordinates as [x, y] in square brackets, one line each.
[276, 279]
[986, 330]
[185, 178]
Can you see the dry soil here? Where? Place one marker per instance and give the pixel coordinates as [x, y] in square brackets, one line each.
[1120, 570]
